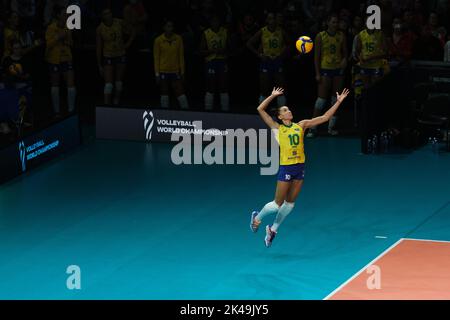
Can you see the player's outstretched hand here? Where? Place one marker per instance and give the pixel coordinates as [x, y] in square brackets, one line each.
[277, 92]
[341, 97]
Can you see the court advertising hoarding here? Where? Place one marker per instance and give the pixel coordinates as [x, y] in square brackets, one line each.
[39, 147]
[156, 125]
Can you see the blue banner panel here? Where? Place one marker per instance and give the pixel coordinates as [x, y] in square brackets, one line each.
[38, 148]
[149, 125]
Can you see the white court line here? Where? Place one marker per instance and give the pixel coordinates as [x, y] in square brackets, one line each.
[426, 240]
[360, 271]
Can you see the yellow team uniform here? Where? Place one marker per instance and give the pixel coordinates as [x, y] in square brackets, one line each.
[169, 55]
[216, 41]
[371, 45]
[112, 36]
[331, 50]
[272, 42]
[291, 144]
[58, 51]
[9, 36]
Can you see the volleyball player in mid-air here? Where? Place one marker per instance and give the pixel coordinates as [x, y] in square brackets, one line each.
[292, 160]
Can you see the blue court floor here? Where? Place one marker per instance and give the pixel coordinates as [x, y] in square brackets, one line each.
[140, 227]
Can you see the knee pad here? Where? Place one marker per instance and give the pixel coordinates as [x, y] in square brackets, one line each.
[119, 86]
[273, 205]
[320, 104]
[290, 205]
[108, 88]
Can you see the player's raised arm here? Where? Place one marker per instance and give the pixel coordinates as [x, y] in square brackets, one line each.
[305, 124]
[263, 106]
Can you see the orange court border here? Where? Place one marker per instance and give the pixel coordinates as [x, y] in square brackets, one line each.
[411, 269]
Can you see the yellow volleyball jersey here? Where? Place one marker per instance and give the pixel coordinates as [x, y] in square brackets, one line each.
[291, 144]
[169, 54]
[58, 51]
[331, 50]
[9, 36]
[272, 42]
[216, 41]
[371, 45]
[112, 36]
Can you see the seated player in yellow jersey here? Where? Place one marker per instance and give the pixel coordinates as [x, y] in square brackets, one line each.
[168, 51]
[292, 160]
[270, 45]
[330, 61]
[111, 55]
[214, 47]
[59, 57]
[371, 50]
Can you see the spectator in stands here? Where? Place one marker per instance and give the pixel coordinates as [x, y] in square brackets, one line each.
[345, 29]
[26, 10]
[247, 27]
[50, 6]
[418, 14]
[293, 30]
[343, 25]
[345, 14]
[196, 22]
[320, 19]
[355, 29]
[316, 10]
[399, 6]
[59, 57]
[447, 50]
[387, 15]
[135, 18]
[401, 41]
[208, 9]
[427, 47]
[281, 22]
[444, 12]
[435, 29]
[410, 23]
